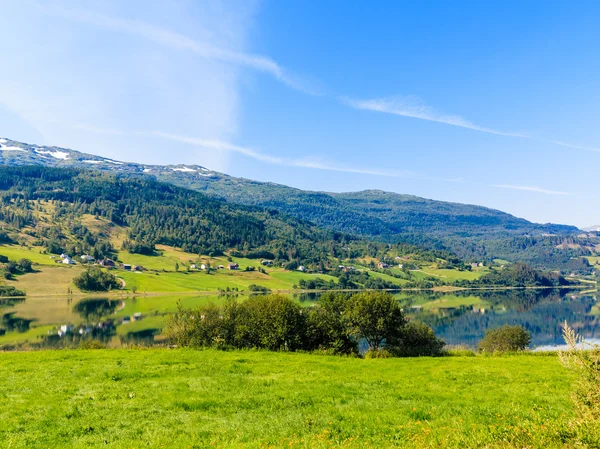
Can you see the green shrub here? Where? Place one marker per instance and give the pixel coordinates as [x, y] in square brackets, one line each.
[504, 339]
[584, 360]
[417, 340]
[91, 344]
[378, 354]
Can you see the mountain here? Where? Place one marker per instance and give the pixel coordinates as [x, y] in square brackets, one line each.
[595, 228]
[472, 232]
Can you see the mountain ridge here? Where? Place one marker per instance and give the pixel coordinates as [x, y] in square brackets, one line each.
[20, 153]
[471, 232]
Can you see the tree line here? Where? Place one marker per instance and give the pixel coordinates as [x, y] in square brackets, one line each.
[338, 324]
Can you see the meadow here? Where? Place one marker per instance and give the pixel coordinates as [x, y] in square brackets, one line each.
[185, 398]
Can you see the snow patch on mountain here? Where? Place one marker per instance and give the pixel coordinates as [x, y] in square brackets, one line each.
[184, 169]
[55, 154]
[90, 161]
[5, 148]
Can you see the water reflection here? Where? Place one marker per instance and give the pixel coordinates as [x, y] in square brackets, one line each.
[92, 310]
[458, 318]
[12, 323]
[541, 312]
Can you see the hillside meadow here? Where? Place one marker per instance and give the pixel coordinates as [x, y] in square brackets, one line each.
[244, 399]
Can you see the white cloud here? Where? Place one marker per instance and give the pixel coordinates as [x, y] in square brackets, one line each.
[530, 189]
[88, 87]
[413, 107]
[574, 146]
[314, 163]
[180, 42]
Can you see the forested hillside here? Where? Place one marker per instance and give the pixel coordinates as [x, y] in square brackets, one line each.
[471, 232]
[45, 206]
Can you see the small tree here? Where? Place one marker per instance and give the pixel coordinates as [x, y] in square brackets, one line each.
[376, 317]
[327, 327]
[505, 338]
[418, 340]
[25, 265]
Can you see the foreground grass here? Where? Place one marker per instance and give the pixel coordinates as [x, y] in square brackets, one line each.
[182, 398]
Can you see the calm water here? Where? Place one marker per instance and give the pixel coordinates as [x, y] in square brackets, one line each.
[459, 318]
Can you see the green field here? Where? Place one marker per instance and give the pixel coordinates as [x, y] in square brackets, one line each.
[184, 398]
[35, 254]
[177, 282]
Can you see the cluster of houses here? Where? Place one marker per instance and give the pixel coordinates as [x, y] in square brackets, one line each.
[204, 267]
[346, 269]
[86, 259]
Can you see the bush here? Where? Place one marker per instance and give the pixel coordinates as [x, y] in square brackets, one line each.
[505, 338]
[96, 280]
[335, 325]
[91, 344]
[271, 322]
[378, 354]
[9, 290]
[258, 288]
[417, 340]
[584, 359]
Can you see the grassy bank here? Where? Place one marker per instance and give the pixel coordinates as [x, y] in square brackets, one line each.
[182, 398]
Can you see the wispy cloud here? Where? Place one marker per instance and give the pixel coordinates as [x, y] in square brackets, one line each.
[530, 189]
[574, 146]
[177, 41]
[414, 107]
[314, 163]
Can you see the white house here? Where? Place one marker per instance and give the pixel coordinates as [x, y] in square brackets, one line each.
[68, 261]
[86, 258]
[193, 266]
[203, 266]
[301, 268]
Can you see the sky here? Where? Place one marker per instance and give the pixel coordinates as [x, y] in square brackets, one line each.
[492, 103]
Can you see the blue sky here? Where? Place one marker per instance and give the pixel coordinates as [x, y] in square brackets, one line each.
[491, 103]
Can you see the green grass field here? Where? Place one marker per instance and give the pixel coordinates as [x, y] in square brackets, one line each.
[184, 398]
[182, 281]
[35, 254]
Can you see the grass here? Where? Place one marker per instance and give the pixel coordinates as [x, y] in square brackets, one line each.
[34, 253]
[48, 281]
[182, 281]
[184, 398]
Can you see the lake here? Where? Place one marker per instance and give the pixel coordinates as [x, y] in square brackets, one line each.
[460, 318]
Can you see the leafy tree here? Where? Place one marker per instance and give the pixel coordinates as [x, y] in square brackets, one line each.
[505, 338]
[95, 279]
[376, 317]
[25, 265]
[416, 340]
[327, 327]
